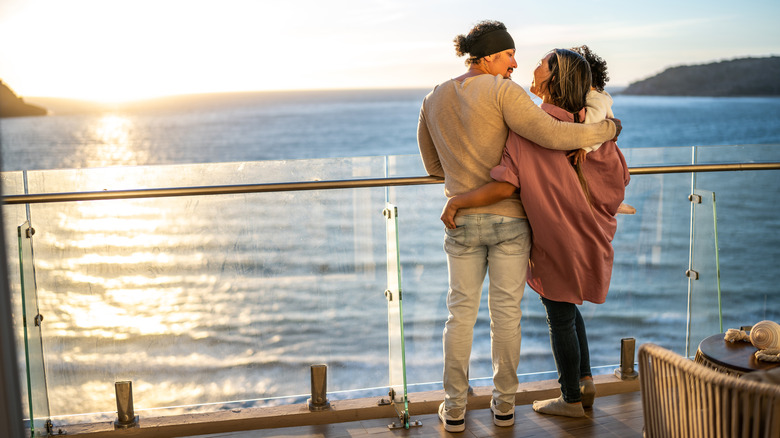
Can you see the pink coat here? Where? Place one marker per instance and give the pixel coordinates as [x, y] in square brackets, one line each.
[571, 256]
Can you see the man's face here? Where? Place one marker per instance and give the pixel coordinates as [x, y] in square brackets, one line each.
[502, 63]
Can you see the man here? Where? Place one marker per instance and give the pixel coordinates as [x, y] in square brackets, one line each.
[462, 130]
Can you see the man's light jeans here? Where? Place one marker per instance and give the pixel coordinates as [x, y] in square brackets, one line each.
[501, 246]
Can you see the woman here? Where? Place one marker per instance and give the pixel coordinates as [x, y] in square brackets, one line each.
[571, 210]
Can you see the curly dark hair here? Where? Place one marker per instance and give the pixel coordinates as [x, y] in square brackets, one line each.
[598, 67]
[464, 43]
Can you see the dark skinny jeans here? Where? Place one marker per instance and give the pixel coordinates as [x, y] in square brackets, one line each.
[569, 345]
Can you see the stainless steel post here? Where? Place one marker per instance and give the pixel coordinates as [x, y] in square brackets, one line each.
[124, 405]
[626, 370]
[319, 388]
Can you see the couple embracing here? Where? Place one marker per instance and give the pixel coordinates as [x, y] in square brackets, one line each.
[532, 196]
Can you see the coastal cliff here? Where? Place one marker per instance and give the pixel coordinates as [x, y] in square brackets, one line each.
[738, 77]
[12, 105]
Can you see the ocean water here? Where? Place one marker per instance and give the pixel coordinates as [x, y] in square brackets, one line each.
[215, 299]
[325, 124]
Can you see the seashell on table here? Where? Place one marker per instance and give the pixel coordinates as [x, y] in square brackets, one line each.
[765, 334]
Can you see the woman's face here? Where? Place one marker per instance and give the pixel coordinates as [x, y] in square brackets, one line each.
[541, 75]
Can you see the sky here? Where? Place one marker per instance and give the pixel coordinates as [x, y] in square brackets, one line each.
[118, 50]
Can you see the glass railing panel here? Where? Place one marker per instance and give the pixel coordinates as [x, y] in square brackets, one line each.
[424, 269]
[12, 183]
[197, 175]
[13, 216]
[748, 248]
[213, 299]
[648, 288]
[648, 291]
[661, 156]
[38, 399]
[704, 301]
[753, 153]
[395, 318]
[127, 282]
[399, 166]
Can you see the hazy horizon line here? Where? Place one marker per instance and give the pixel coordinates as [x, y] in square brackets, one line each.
[31, 98]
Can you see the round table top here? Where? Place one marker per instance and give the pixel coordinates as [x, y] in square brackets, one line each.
[739, 355]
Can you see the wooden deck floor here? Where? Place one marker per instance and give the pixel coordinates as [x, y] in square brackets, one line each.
[615, 416]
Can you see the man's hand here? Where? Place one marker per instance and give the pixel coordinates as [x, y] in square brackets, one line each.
[448, 214]
[618, 127]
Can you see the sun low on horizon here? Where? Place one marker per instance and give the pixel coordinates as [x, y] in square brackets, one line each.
[119, 50]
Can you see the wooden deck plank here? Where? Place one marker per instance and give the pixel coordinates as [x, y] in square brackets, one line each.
[614, 416]
[297, 418]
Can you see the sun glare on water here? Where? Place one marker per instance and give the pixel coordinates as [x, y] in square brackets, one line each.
[114, 144]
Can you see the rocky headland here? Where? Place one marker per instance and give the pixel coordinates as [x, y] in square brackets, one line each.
[12, 105]
[737, 77]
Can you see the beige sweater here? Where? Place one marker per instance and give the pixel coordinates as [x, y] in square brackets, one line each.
[463, 128]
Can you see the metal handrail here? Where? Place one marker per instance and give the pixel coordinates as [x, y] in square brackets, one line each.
[325, 185]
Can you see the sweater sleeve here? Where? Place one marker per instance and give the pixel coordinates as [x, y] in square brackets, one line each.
[428, 152]
[531, 122]
[599, 107]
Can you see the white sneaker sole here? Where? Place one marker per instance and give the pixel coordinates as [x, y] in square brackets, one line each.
[451, 425]
[502, 420]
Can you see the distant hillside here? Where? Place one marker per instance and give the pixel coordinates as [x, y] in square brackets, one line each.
[66, 106]
[13, 106]
[738, 77]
